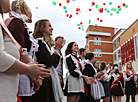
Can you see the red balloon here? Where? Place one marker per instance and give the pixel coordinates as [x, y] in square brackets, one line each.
[80, 22]
[36, 7]
[90, 9]
[101, 10]
[77, 13]
[77, 9]
[118, 7]
[70, 16]
[67, 15]
[93, 3]
[104, 3]
[79, 27]
[60, 4]
[68, 1]
[101, 20]
[124, 4]
[97, 18]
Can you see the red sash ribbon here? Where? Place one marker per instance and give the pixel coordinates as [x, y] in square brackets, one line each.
[6, 30]
[132, 79]
[85, 86]
[116, 82]
[130, 75]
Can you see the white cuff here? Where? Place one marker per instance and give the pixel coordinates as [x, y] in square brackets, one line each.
[24, 51]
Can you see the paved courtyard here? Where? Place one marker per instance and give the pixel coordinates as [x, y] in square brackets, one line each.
[123, 99]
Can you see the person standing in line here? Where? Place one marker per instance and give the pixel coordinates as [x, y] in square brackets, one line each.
[59, 68]
[19, 15]
[50, 90]
[130, 78]
[105, 83]
[109, 66]
[117, 84]
[10, 66]
[95, 91]
[82, 53]
[96, 64]
[74, 85]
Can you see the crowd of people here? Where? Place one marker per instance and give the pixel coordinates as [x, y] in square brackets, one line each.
[31, 65]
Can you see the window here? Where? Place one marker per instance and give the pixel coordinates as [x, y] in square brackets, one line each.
[132, 50]
[114, 44]
[97, 55]
[136, 47]
[129, 50]
[97, 50]
[97, 41]
[118, 41]
[119, 54]
[119, 66]
[114, 56]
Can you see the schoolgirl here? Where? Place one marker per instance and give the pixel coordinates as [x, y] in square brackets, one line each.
[117, 84]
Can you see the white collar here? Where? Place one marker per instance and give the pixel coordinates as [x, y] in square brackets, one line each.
[88, 62]
[17, 15]
[50, 51]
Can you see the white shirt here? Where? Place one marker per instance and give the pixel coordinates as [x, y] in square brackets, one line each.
[128, 79]
[107, 76]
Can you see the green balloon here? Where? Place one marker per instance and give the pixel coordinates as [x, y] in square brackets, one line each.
[126, 6]
[65, 7]
[80, 11]
[99, 9]
[73, 0]
[66, 11]
[114, 9]
[96, 6]
[81, 25]
[119, 9]
[111, 14]
[105, 9]
[78, 24]
[117, 12]
[82, 28]
[108, 11]
[110, 3]
[91, 5]
[54, 3]
[95, 24]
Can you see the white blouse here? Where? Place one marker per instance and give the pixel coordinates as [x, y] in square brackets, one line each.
[8, 81]
[128, 79]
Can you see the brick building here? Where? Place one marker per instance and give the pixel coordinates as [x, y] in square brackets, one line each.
[114, 45]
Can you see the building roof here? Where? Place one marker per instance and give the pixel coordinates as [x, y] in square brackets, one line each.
[129, 26]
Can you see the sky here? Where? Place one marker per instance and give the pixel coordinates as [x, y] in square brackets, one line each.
[67, 27]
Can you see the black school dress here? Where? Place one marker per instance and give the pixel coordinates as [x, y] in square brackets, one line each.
[130, 86]
[117, 90]
[45, 92]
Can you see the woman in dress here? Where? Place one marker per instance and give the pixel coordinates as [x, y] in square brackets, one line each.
[105, 82]
[50, 90]
[130, 78]
[95, 91]
[74, 86]
[117, 84]
[19, 15]
[10, 66]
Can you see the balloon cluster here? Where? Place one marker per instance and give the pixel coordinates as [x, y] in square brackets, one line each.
[111, 11]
